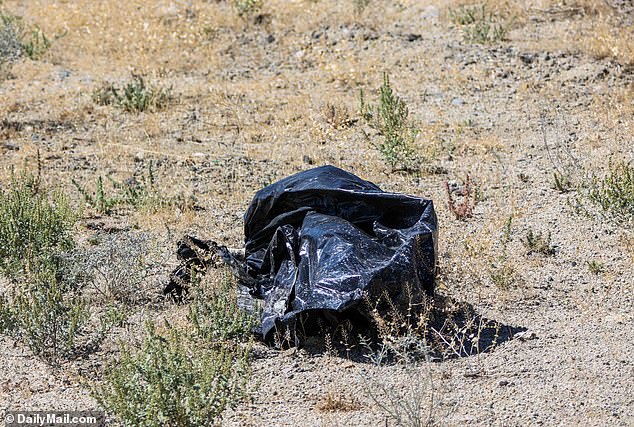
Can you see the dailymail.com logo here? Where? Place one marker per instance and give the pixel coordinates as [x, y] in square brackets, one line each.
[54, 419]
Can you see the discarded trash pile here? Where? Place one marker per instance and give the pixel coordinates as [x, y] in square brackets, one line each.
[319, 242]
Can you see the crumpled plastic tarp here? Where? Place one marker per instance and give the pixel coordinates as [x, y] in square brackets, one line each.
[324, 239]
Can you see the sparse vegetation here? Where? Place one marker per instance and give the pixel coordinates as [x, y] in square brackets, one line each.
[414, 405]
[142, 193]
[215, 314]
[561, 182]
[566, 167]
[390, 118]
[538, 243]
[135, 96]
[610, 196]
[115, 267]
[247, 7]
[17, 40]
[35, 43]
[359, 6]
[41, 306]
[338, 402]
[337, 116]
[174, 380]
[254, 91]
[595, 267]
[502, 272]
[412, 337]
[479, 24]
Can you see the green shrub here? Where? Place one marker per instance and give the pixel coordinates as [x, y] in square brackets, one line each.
[35, 43]
[612, 195]
[34, 229]
[390, 118]
[215, 313]
[40, 306]
[134, 96]
[49, 317]
[174, 381]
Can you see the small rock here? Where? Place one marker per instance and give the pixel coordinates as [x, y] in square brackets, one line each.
[270, 38]
[413, 37]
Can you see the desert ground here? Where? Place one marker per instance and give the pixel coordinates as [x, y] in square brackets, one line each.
[531, 101]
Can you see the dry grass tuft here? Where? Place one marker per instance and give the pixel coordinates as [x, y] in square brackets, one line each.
[338, 402]
[337, 116]
[607, 40]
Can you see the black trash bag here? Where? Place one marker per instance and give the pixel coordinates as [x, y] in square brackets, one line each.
[322, 240]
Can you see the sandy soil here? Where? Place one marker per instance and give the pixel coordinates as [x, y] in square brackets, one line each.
[251, 102]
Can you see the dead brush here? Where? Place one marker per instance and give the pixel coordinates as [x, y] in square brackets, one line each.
[429, 328]
[413, 332]
[463, 209]
[338, 402]
[337, 116]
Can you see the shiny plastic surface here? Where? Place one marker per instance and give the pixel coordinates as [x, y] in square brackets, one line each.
[322, 239]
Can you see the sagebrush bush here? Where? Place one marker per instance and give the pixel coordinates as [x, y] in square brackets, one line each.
[40, 306]
[49, 317]
[16, 39]
[174, 380]
[10, 37]
[115, 267]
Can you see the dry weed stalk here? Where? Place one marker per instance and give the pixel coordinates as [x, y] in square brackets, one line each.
[463, 209]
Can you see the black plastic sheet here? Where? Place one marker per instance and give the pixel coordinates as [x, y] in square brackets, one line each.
[324, 239]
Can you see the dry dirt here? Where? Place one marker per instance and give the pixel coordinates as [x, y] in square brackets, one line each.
[251, 106]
